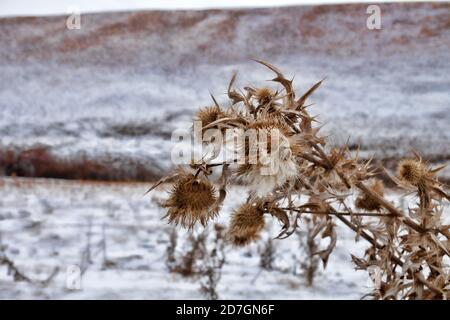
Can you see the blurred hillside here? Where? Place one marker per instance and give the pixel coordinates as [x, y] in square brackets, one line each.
[102, 102]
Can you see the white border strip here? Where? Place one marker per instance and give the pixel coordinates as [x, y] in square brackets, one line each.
[11, 8]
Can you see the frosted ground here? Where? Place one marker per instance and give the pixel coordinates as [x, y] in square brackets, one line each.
[44, 224]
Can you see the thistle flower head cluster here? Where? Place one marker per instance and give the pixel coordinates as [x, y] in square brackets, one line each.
[411, 171]
[246, 224]
[264, 95]
[191, 200]
[208, 115]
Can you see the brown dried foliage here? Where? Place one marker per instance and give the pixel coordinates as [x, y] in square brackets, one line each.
[203, 257]
[246, 224]
[192, 199]
[208, 115]
[407, 248]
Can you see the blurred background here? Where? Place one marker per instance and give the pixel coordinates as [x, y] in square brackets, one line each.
[87, 108]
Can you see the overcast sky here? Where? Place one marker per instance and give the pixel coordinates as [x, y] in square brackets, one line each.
[51, 7]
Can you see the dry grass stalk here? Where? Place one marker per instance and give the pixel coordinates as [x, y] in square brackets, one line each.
[201, 256]
[267, 255]
[213, 261]
[18, 275]
[310, 263]
[188, 262]
[408, 248]
[192, 200]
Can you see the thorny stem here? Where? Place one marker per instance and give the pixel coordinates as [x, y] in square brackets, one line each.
[376, 244]
[408, 221]
[314, 160]
[393, 212]
[388, 206]
[197, 173]
[369, 214]
[330, 165]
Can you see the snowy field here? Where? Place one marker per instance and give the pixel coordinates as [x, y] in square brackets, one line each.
[48, 224]
[45, 224]
[386, 110]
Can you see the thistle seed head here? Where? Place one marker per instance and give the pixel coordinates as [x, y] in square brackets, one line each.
[269, 123]
[191, 200]
[208, 115]
[266, 128]
[246, 224]
[274, 165]
[264, 95]
[411, 171]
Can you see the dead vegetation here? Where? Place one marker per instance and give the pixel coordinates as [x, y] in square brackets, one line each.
[187, 262]
[40, 161]
[14, 271]
[313, 186]
[267, 255]
[202, 256]
[308, 243]
[214, 259]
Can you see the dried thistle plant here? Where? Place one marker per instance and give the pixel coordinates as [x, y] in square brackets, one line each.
[246, 224]
[267, 255]
[310, 178]
[187, 262]
[309, 263]
[208, 115]
[213, 261]
[18, 275]
[191, 200]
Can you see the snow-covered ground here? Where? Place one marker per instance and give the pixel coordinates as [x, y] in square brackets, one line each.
[45, 224]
